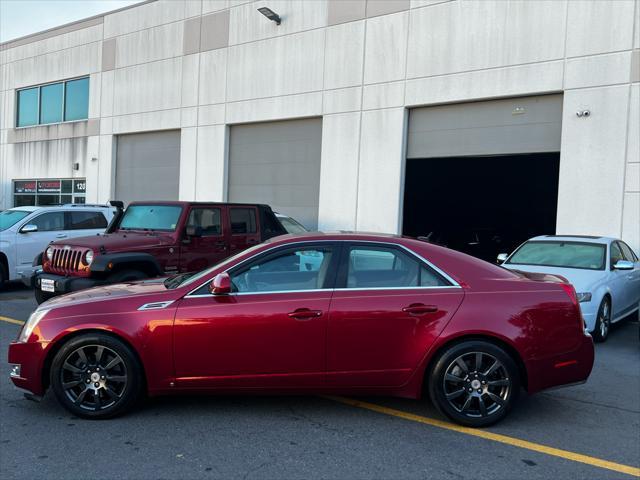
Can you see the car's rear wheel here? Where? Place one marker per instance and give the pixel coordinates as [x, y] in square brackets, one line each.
[4, 274]
[42, 296]
[96, 376]
[603, 321]
[474, 383]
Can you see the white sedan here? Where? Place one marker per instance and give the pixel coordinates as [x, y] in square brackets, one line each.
[604, 271]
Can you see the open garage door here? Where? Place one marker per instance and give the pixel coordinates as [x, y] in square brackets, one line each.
[483, 177]
[148, 166]
[278, 163]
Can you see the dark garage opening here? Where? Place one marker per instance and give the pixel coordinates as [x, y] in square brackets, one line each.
[481, 205]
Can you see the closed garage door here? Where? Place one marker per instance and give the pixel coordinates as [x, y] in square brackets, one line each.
[482, 177]
[148, 166]
[278, 163]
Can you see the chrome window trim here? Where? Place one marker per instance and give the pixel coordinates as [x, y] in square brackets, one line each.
[447, 277]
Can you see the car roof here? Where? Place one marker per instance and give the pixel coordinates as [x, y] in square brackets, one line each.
[181, 203]
[574, 238]
[77, 206]
[26, 208]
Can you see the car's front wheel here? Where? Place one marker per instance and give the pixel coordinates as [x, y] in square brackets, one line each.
[96, 376]
[603, 321]
[474, 383]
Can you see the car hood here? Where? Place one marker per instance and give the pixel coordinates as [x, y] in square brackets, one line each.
[582, 280]
[119, 241]
[140, 292]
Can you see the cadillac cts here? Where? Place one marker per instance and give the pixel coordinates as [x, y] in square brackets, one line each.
[313, 313]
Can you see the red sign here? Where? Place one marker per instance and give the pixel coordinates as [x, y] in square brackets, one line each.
[49, 186]
[28, 186]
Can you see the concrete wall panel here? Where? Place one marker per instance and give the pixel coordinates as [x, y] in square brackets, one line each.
[149, 45]
[386, 48]
[344, 55]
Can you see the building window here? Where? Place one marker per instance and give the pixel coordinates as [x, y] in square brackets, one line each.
[53, 103]
[50, 191]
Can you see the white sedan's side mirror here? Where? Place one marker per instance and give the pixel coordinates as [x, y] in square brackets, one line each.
[29, 228]
[502, 257]
[623, 265]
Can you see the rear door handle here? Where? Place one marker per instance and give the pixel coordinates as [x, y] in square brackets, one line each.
[305, 314]
[419, 309]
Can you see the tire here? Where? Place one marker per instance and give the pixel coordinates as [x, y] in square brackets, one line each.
[96, 385]
[466, 399]
[42, 296]
[4, 274]
[603, 321]
[127, 276]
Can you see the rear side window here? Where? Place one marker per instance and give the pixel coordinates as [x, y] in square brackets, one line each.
[87, 220]
[207, 219]
[49, 222]
[384, 267]
[243, 220]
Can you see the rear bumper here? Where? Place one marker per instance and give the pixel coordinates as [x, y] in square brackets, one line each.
[29, 357]
[568, 368]
[64, 284]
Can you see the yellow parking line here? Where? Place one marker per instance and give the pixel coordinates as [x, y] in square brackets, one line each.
[11, 320]
[496, 437]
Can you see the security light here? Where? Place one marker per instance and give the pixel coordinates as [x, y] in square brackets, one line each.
[270, 14]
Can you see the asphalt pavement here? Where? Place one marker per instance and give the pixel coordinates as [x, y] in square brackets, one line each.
[585, 431]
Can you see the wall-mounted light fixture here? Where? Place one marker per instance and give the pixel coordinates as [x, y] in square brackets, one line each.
[583, 113]
[76, 166]
[270, 14]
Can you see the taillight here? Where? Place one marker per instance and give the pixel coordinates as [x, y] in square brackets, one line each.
[569, 290]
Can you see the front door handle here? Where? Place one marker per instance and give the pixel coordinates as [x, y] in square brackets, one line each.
[305, 314]
[420, 309]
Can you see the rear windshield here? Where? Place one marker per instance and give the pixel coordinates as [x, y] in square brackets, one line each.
[151, 217]
[9, 218]
[590, 256]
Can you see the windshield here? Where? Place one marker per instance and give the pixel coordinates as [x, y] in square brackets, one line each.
[292, 226]
[151, 217]
[9, 218]
[589, 256]
[198, 276]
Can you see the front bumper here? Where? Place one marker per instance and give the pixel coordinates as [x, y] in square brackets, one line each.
[64, 284]
[30, 358]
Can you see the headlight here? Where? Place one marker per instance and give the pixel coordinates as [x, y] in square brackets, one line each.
[50, 253]
[88, 258]
[584, 297]
[28, 327]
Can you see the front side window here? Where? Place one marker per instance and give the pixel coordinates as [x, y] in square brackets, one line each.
[296, 269]
[53, 103]
[385, 267]
[49, 222]
[616, 253]
[590, 256]
[206, 221]
[9, 218]
[291, 225]
[87, 220]
[628, 253]
[151, 217]
[243, 220]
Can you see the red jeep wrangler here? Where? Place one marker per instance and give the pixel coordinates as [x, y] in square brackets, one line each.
[152, 239]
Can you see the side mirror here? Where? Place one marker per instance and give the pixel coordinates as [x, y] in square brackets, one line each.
[29, 228]
[502, 257]
[221, 284]
[623, 265]
[192, 231]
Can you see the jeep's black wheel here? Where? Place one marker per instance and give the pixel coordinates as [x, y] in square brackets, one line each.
[127, 276]
[42, 296]
[474, 383]
[96, 376]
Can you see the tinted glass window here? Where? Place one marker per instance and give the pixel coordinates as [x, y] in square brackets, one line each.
[151, 217]
[382, 267]
[628, 253]
[560, 254]
[291, 225]
[243, 220]
[207, 220]
[51, 103]
[48, 222]
[27, 107]
[300, 269]
[86, 220]
[9, 218]
[76, 101]
[616, 253]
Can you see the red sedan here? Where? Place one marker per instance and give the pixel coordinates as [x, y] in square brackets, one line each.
[315, 313]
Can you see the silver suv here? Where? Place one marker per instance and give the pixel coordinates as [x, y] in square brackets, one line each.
[25, 232]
